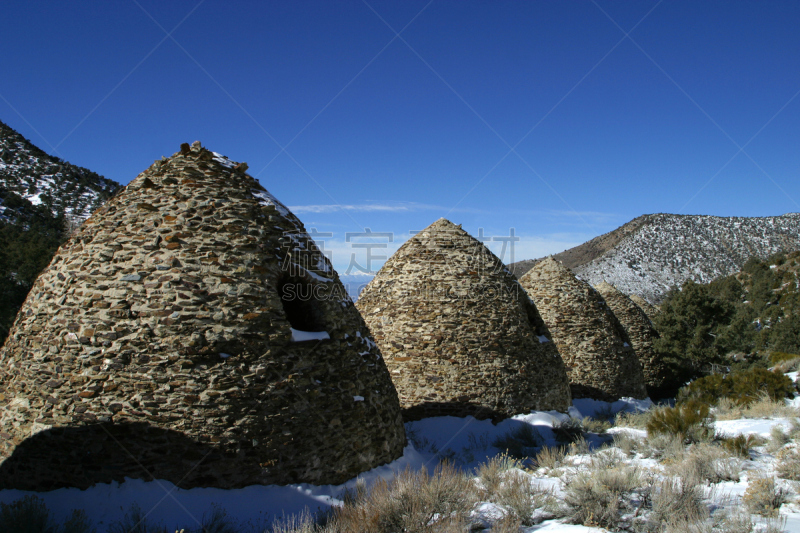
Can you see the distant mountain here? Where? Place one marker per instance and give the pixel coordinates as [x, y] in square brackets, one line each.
[63, 188]
[651, 253]
[355, 283]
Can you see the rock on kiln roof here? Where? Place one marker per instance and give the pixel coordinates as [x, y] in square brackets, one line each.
[159, 343]
[459, 334]
[641, 333]
[600, 361]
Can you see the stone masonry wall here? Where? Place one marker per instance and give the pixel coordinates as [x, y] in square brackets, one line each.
[459, 334]
[600, 361]
[159, 344]
[649, 309]
[641, 333]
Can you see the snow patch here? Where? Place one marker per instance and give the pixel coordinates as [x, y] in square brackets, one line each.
[301, 336]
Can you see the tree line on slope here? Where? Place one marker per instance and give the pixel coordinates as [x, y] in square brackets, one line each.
[29, 237]
[736, 320]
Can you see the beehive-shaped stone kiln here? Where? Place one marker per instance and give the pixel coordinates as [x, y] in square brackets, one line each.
[459, 334]
[192, 331]
[601, 363]
[641, 333]
[649, 309]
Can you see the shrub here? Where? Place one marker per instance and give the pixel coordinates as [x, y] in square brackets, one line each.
[594, 425]
[740, 445]
[742, 388]
[521, 499]
[508, 524]
[134, 521]
[218, 522]
[598, 497]
[677, 498]
[520, 442]
[414, 502]
[787, 465]
[30, 515]
[708, 463]
[551, 457]
[302, 523]
[567, 431]
[735, 520]
[27, 515]
[781, 357]
[627, 443]
[667, 447]
[778, 439]
[688, 420]
[636, 420]
[78, 522]
[578, 447]
[491, 473]
[762, 497]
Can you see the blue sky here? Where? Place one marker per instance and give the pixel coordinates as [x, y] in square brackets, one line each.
[561, 120]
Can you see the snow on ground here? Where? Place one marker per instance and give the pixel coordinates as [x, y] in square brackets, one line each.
[466, 441]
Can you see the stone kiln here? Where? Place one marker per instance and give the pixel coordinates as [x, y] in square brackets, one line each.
[459, 334]
[192, 331]
[601, 363]
[649, 309]
[641, 333]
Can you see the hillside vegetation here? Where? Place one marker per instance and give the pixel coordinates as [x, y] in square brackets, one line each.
[738, 320]
[41, 198]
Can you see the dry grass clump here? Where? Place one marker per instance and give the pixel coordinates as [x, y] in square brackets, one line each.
[551, 457]
[520, 498]
[708, 463]
[599, 497]
[519, 443]
[740, 445]
[302, 523]
[778, 438]
[762, 407]
[30, 515]
[578, 447]
[665, 447]
[637, 419]
[627, 443]
[677, 499]
[763, 497]
[507, 524]
[689, 420]
[787, 465]
[595, 425]
[491, 473]
[414, 502]
[735, 520]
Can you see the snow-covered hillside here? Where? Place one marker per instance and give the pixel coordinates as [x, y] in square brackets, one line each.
[63, 188]
[669, 249]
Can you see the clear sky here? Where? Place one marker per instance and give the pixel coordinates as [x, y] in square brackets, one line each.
[561, 120]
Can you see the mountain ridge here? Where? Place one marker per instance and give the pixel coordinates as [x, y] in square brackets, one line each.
[652, 253]
[65, 189]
